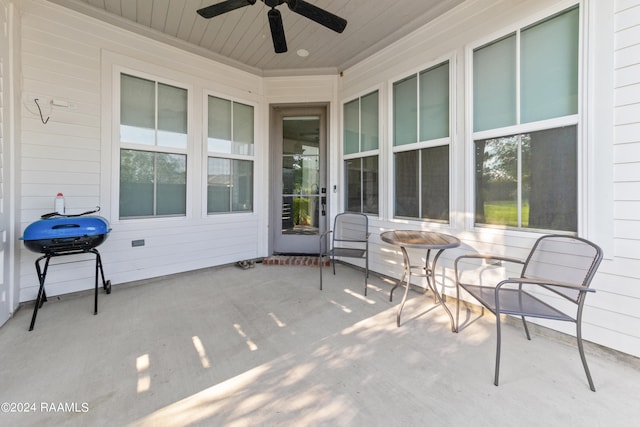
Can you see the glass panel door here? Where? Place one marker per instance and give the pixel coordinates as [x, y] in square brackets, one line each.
[298, 180]
[300, 175]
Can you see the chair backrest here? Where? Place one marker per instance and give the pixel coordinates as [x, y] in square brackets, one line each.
[563, 259]
[350, 227]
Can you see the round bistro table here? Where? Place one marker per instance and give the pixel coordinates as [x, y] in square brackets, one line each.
[427, 240]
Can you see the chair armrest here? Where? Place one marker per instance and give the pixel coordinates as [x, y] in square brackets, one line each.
[325, 233]
[540, 282]
[490, 257]
[484, 257]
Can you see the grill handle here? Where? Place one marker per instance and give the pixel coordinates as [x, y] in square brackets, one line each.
[58, 226]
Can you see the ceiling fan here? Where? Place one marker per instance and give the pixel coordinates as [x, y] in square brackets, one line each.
[300, 7]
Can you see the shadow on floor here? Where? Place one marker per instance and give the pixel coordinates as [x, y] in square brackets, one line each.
[264, 346]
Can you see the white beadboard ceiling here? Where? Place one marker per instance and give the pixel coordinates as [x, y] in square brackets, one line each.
[242, 38]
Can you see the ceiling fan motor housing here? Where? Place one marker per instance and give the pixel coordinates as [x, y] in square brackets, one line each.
[273, 3]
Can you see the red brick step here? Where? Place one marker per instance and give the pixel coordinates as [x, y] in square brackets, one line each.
[307, 260]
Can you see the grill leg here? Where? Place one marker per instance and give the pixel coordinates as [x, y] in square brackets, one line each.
[42, 274]
[99, 273]
[98, 266]
[42, 296]
[106, 284]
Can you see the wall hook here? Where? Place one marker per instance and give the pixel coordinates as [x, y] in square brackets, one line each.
[40, 110]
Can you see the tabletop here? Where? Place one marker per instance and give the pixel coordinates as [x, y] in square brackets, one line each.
[420, 239]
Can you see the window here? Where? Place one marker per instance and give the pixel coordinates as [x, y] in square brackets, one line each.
[528, 180]
[153, 146]
[230, 160]
[361, 154]
[525, 104]
[421, 144]
[422, 183]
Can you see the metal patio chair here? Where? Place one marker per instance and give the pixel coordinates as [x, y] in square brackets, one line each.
[349, 239]
[564, 265]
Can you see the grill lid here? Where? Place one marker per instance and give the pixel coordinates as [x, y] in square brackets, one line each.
[64, 227]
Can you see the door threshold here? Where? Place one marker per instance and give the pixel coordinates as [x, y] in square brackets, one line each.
[306, 260]
[315, 254]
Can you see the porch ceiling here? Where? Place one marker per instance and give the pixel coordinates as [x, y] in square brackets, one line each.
[242, 38]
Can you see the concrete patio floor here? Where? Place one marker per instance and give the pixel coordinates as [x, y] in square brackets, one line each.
[264, 347]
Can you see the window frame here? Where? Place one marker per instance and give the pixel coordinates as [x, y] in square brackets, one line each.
[361, 155]
[118, 145]
[450, 59]
[529, 127]
[206, 154]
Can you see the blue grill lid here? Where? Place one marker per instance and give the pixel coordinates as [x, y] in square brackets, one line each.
[62, 227]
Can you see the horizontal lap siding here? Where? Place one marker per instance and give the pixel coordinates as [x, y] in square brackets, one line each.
[611, 314]
[63, 154]
[62, 54]
[620, 282]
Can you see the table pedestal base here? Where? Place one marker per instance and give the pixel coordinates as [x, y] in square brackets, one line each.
[428, 272]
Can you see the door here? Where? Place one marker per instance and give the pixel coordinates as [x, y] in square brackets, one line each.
[298, 196]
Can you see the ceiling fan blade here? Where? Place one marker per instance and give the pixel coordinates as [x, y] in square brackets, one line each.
[223, 7]
[277, 31]
[318, 15]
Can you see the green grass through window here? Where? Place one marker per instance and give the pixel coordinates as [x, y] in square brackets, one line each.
[505, 213]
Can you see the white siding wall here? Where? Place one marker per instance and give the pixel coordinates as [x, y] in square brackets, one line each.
[69, 57]
[66, 56]
[623, 278]
[611, 318]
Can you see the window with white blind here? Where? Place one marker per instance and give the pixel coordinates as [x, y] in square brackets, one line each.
[230, 147]
[153, 148]
[361, 153]
[525, 126]
[421, 141]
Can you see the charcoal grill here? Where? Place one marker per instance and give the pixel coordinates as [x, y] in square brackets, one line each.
[65, 235]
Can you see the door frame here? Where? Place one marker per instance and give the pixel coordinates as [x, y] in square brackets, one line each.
[276, 112]
[8, 208]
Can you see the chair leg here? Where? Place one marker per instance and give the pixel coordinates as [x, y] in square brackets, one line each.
[366, 272]
[366, 276]
[457, 309]
[526, 329]
[498, 342]
[320, 261]
[582, 357]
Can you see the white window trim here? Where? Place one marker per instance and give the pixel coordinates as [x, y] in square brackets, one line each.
[115, 70]
[382, 176]
[575, 119]
[598, 127]
[450, 140]
[232, 156]
[569, 120]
